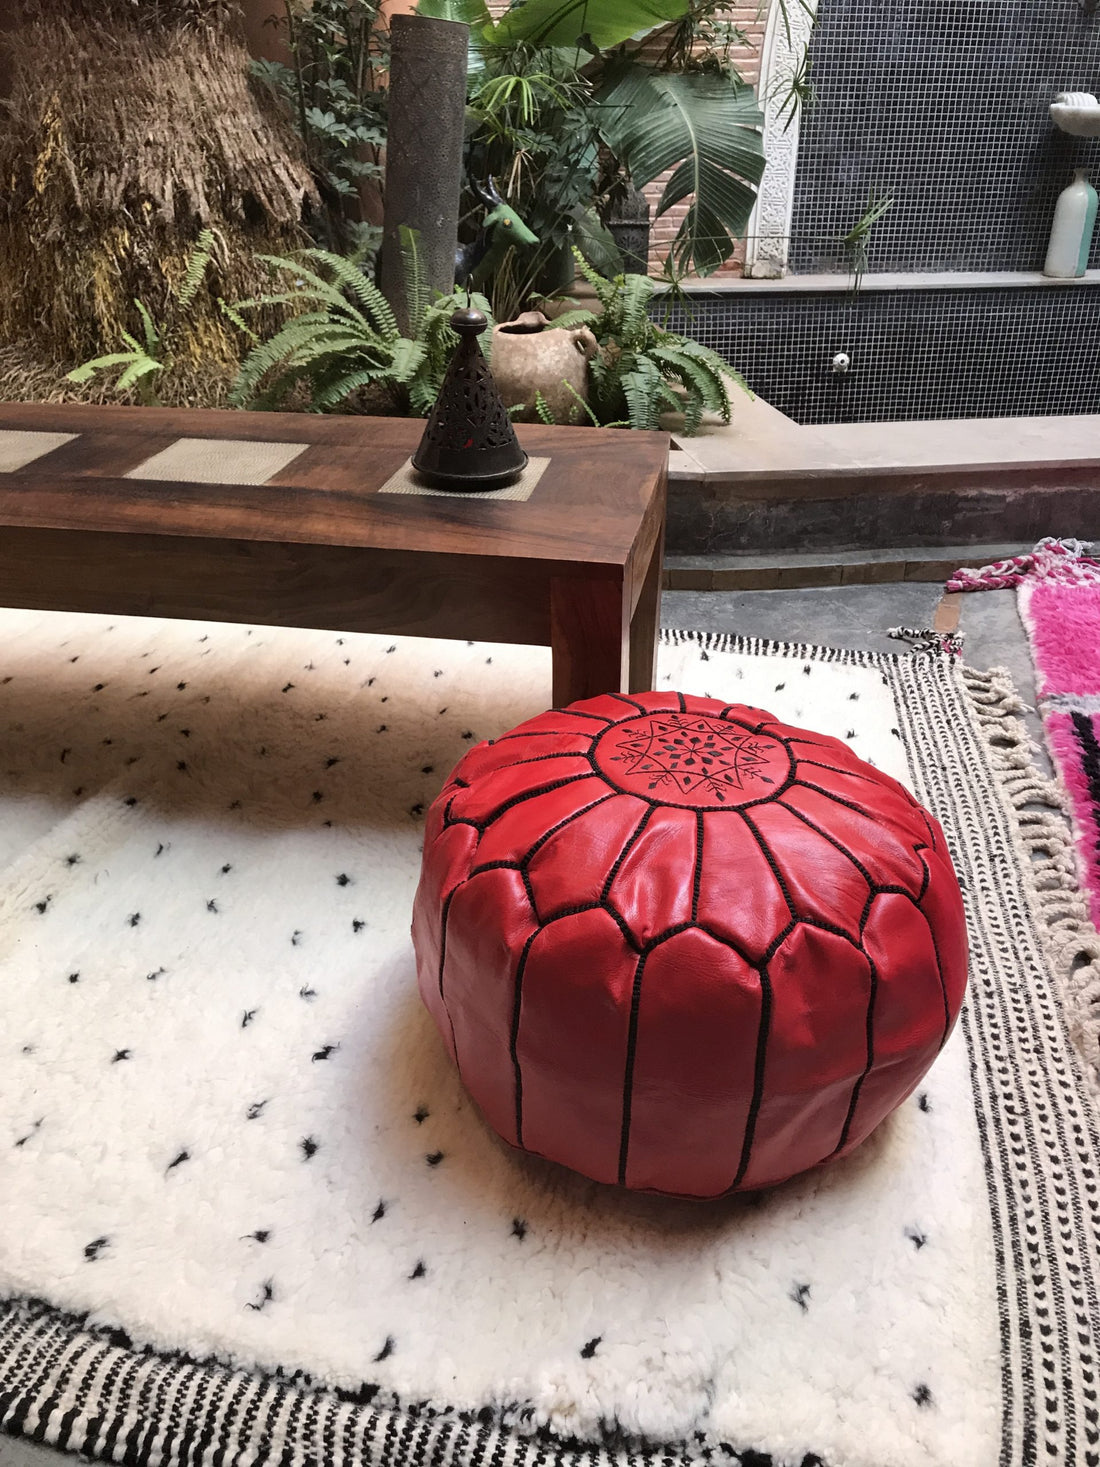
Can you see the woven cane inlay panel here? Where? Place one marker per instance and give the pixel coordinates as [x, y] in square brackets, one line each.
[408, 481]
[218, 461]
[19, 447]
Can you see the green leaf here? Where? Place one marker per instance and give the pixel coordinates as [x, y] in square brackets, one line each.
[340, 389]
[351, 277]
[706, 130]
[407, 357]
[543, 410]
[87, 370]
[152, 335]
[135, 372]
[196, 267]
[474, 13]
[564, 22]
[417, 295]
[596, 242]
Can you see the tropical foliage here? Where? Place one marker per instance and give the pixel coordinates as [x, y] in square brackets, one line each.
[341, 348]
[137, 368]
[333, 95]
[569, 98]
[642, 371]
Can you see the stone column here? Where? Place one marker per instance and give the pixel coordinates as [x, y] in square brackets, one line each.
[424, 150]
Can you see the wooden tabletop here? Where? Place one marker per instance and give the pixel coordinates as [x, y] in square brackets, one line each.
[599, 489]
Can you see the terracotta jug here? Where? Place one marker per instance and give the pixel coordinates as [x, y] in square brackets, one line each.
[531, 354]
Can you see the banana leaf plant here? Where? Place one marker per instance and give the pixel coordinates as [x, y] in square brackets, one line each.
[591, 97]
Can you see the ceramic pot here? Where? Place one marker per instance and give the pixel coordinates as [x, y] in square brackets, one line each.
[532, 355]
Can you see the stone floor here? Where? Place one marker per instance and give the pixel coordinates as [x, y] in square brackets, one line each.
[841, 616]
[860, 616]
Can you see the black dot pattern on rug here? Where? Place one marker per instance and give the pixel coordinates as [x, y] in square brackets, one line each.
[267, 1294]
[288, 984]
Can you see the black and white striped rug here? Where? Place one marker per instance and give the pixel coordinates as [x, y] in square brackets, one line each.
[247, 1215]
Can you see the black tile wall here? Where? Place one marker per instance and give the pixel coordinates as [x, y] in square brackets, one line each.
[942, 105]
[961, 353]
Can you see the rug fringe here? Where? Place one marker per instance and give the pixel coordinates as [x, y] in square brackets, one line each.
[1045, 840]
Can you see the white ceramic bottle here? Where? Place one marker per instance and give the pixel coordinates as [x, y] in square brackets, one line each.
[1071, 232]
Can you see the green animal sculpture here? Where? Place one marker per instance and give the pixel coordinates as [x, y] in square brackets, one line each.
[501, 230]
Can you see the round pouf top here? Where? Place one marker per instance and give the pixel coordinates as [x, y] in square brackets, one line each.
[679, 945]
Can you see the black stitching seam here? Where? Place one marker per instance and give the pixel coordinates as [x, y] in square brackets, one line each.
[836, 769]
[442, 961]
[824, 834]
[543, 789]
[781, 880]
[763, 1034]
[858, 1086]
[517, 1002]
[628, 846]
[697, 876]
[628, 1075]
[838, 799]
[638, 706]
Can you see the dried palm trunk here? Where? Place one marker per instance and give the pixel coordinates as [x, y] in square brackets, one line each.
[131, 125]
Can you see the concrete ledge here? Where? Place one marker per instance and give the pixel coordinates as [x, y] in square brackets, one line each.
[839, 282]
[766, 483]
[840, 568]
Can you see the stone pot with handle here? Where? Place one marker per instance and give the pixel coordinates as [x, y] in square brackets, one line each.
[531, 354]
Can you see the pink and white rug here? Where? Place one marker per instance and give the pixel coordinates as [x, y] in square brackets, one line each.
[1059, 601]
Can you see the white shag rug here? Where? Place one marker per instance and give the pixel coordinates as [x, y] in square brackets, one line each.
[246, 1209]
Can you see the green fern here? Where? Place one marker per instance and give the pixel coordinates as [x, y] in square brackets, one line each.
[136, 368]
[642, 372]
[344, 336]
[195, 270]
[417, 294]
[543, 409]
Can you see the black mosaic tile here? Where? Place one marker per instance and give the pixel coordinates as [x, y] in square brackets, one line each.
[941, 353]
[944, 108]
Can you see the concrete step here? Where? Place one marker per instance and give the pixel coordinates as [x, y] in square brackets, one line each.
[764, 484]
[793, 571]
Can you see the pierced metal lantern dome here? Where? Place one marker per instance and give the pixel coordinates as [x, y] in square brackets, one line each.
[469, 442]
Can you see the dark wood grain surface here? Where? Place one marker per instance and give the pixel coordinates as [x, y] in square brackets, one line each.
[596, 494]
[576, 566]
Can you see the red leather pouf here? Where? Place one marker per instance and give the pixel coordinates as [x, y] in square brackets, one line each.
[681, 946]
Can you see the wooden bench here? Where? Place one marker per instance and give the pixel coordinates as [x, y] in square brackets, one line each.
[292, 520]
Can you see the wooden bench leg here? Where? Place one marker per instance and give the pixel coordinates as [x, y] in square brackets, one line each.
[590, 637]
[645, 625]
